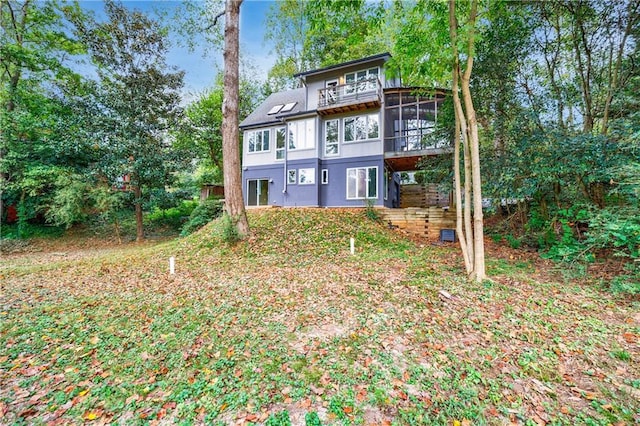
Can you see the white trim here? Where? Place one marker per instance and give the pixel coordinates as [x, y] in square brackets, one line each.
[366, 180]
[308, 175]
[250, 133]
[337, 142]
[290, 175]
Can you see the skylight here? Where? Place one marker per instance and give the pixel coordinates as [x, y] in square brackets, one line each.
[288, 107]
[275, 109]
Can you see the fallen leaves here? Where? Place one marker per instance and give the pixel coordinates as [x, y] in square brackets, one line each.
[307, 330]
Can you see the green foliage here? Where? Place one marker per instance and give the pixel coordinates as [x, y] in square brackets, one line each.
[230, 234]
[628, 282]
[173, 217]
[204, 213]
[30, 230]
[312, 419]
[279, 419]
[309, 34]
[371, 212]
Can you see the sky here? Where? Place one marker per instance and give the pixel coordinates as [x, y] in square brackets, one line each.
[201, 66]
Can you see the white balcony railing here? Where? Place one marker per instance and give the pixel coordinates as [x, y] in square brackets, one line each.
[350, 93]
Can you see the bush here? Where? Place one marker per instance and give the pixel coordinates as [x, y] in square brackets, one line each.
[173, 217]
[230, 233]
[204, 213]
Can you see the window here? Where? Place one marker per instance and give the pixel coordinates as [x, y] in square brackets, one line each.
[325, 176]
[361, 128]
[288, 107]
[291, 176]
[367, 77]
[275, 109]
[258, 140]
[280, 138]
[302, 134]
[306, 176]
[362, 183]
[331, 137]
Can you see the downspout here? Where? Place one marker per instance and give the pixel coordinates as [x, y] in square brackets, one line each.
[286, 155]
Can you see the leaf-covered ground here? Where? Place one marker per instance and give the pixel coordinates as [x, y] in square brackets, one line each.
[289, 327]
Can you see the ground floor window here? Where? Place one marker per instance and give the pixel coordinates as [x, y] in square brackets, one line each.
[258, 192]
[362, 182]
[306, 176]
[325, 176]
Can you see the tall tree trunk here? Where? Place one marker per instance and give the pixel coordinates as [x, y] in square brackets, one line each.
[474, 146]
[460, 227]
[234, 202]
[468, 125]
[138, 206]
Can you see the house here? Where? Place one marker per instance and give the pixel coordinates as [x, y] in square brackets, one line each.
[340, 140]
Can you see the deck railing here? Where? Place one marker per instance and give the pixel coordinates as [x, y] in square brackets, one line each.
[359, 91]
[419, 141]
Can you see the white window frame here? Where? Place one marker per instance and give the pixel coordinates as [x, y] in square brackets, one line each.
[253, 134]
[336, 143]
[366, 182]
[325, 176]
[307, 176]
[291, 177]
[351, 78]
[302, 134]
[284, 142]
[368, 120]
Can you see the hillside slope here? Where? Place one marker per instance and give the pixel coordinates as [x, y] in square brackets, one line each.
[290, 325]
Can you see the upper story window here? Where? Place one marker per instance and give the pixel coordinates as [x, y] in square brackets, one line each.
[258, 140]
[302, 134]
[280, 138]
[367, 78]
[362, 127]
[331, 137]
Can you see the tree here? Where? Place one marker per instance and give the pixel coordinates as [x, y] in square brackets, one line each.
[35, 86]
[313, 33]
[234, 201]
[138, 98]
[200, 131]
[435, 47]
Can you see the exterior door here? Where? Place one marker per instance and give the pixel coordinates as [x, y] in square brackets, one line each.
[258, 192]
[332, 94]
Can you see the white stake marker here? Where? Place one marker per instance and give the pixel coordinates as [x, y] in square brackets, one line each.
[172, 265]
[353, 245]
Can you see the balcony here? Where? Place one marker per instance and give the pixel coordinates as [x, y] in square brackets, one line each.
[349, 97]
[402, 153]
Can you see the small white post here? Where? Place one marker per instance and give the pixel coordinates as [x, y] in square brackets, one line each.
[353, 245]
[172, 265]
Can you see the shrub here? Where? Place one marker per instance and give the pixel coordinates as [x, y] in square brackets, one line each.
[204, 213]
[371, 212]
[230, 233]
[172, 217]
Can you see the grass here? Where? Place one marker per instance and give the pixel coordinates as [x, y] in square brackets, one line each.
[288, 327]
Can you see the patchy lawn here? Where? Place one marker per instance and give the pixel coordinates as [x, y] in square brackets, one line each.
[289, 328]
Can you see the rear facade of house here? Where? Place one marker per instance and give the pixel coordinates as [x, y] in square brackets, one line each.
[340, 140]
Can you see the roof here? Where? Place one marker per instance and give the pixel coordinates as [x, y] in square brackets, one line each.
[261, 116]
[345, 64]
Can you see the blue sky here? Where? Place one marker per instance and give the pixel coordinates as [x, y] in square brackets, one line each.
[200, 66]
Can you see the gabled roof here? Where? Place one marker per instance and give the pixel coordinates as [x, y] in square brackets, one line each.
[261, 116]
[345, 64]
